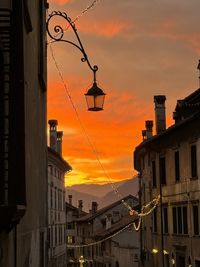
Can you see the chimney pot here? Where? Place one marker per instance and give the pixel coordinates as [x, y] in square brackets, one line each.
[70, 199]
[53, 134]
[149, 128]
[94, 206]
[160, 117]
[80, 205]
[144, 135]
[59, 142]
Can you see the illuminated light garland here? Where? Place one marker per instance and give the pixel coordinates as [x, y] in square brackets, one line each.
[100, 241]
[154, 202]
[137, 227]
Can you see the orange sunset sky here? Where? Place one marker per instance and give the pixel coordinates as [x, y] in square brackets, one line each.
[142, 48]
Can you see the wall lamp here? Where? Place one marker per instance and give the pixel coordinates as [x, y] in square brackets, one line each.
[154, 251]
[173, 260]
[95, 95]
[81, 261]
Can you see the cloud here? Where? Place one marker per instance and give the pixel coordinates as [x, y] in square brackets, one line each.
[142, 48]
[109, 28]
[59, 2]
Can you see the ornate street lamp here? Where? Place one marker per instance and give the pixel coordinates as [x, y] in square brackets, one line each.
[95, 96]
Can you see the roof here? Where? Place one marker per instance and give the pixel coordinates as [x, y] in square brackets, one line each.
[182, 129]
[90, 216]
[52, 154]
[125, 221]
[71, 207]
[193, 98]
[171, 129]
[187, 106]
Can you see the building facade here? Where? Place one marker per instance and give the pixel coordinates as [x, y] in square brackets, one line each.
[72, 214]
[23, 142]
[57, 168]
[119, 250]
[169, 165]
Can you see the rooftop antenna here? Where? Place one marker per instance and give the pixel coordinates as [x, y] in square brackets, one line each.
[198, 67]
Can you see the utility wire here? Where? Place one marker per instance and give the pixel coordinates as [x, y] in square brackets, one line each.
[90, 6]
[93, 148]
[100, 241]
[114, 188]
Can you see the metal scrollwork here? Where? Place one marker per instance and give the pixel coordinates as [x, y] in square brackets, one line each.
[56, 33]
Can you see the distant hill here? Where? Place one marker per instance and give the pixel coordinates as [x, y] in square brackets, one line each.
[94, 189]
[102, 194]
[129, 187]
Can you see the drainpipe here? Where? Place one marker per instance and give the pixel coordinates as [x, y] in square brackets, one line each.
[15, 246]
[140, 205]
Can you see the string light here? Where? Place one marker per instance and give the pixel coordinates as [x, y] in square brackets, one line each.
[154, 251]
[93, 148]
[136, 228]
[77, 115]
[100, 241]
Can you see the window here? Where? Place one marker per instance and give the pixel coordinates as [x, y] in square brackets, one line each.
[193, 161]
[177, 166]
[55, 198]
[50, 168]
[49, 237]
[70, 253]
[42, 251]
[70, 239]
[180, 224]
[153, 166]
[195, 210]
[55, 233]
[162, 171]
[51, 197]
[155, 227]
[165, 220]
[70, 225]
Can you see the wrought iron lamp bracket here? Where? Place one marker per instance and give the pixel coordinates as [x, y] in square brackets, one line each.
[56, 33]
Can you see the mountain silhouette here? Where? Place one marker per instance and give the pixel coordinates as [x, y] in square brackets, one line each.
[103, 194]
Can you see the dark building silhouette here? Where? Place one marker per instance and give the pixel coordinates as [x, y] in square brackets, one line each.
[169, 165]
[23, 144]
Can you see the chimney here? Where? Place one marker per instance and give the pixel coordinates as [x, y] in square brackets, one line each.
[149, 129]
[80, 205]
[94, 207]
[108, 221]
[70, 199]
[59, 142]
[160, 117]
[53, 134]
[144, 135]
